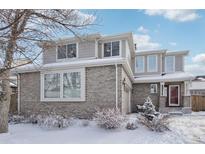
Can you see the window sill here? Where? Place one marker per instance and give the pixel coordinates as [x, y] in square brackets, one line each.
[63, 100]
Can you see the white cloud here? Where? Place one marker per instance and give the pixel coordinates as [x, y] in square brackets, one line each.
[172, 43]
[175, 15]
[86, 16]
[144, 42]
[195, 69]
[200, 58]
[197, 66]
[142, 29]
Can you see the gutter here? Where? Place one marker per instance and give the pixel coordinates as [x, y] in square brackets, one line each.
[116, 103]
[18, 99]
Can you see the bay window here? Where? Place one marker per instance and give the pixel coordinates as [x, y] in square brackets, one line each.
[111, 49]
[63, 85]
[152, 63]
[67, 51]
[169, 64]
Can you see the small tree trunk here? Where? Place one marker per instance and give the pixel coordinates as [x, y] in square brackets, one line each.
[5, 102]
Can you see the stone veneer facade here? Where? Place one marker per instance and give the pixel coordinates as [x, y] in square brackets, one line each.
[100, 93]
[141, 90]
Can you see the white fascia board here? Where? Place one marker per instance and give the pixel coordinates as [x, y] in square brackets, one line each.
[73, 64]
[165, 78]
[148, 52]
[185, 52]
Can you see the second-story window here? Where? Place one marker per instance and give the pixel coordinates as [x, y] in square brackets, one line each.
[169, 64]
[67, 51]
[152, 63]
[112, 49]
[139, 66]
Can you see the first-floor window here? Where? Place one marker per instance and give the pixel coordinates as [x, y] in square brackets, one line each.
[63, 85]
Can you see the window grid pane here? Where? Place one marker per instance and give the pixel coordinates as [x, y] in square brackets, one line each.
[52, 85]
[169, 64]
[71, 85]
[62, 52]
[152, 63]
[140, 64]
[116, 48]
[71, 51]
[107, 49]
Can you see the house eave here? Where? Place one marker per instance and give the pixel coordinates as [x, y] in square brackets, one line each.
[186, 77]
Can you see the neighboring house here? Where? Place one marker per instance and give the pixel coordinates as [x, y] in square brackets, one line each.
[198, 86]
[197, 90]
[13, 102]
[79, 76]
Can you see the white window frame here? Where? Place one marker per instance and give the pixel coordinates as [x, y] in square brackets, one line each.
[65, 59]
[120, 49]
[178, 95]
[153, 84]
[166, 64]
[61, 99]
[136, 71]
[148, 69]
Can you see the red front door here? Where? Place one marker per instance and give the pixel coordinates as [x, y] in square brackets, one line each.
[174, 95]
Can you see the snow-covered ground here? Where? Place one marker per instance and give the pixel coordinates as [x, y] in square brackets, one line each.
[184, 129]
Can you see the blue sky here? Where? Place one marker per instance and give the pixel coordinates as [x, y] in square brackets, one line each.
[160, 29]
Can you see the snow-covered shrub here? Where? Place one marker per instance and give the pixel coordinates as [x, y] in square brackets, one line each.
[16, 119]
[148, 109]
[53, 121]
[151, 118]
[109, 118]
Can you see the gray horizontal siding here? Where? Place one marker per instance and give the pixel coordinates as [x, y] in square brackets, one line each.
[86, 49]
[49, 55]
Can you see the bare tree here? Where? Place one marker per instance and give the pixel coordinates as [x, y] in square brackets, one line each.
[20, 31]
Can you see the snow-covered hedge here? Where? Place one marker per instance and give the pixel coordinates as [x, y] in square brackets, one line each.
[53, 121]
[151, 118]
[16, 119]
[109, 118]
[47, 121]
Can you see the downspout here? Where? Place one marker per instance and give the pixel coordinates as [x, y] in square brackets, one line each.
[18, 91]
[116, 103]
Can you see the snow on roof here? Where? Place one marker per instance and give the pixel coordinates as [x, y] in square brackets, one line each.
[66, 64]
[179, 76]
[26, 68]
[198, 85]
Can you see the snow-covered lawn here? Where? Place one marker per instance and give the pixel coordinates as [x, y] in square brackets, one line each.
[184, 129]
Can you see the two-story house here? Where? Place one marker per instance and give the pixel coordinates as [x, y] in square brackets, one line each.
[80, 75]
